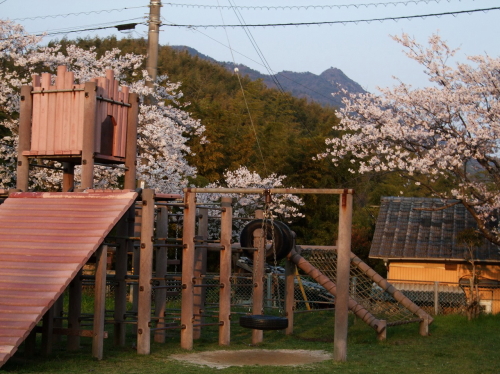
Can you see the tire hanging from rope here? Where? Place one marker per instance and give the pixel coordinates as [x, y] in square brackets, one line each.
[282, 243]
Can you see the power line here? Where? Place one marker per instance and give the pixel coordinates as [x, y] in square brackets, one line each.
[108, 25]
[341, 22]
[306, 7]
[257, 62]
[76, 14]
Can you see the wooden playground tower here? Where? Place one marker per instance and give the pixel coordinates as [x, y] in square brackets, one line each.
[96, 122]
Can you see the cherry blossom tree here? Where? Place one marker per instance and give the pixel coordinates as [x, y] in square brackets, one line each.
[163, 129]
[283, 206]
[449, 130]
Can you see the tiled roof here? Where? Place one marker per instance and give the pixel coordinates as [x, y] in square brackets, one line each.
[404, 231]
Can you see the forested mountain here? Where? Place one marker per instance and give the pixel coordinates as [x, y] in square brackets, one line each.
[318, 88]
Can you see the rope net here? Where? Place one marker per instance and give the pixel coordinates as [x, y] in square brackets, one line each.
[362, 288]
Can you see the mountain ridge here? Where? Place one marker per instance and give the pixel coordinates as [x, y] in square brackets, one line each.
[313, 87]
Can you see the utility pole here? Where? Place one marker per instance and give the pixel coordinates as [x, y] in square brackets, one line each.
[153, 40]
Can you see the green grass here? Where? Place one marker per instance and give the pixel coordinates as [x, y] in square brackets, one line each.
[454, 346]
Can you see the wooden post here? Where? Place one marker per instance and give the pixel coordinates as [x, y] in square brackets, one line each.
[131, 146]
[88, 146]
[382, 330]
[343, 270]
[187, 305]
[258, 274]
[47, 329]
[136, 260]
[424, 327]
[289, 294]
[200, 268]
[25, 113]
[161, 271]
[225, 271]
[68, 176]
[121, 261]
[58, 314]
[30, 344]
[145, 273]
[74, 310]
[99, 302]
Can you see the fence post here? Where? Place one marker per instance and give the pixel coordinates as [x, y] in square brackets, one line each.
[436, 298]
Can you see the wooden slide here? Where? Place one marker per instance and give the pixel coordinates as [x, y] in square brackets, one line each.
[45, 239]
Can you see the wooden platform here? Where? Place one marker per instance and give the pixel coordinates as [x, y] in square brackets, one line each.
[45, 239]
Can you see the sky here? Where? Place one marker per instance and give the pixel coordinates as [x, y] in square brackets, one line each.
[364, 51]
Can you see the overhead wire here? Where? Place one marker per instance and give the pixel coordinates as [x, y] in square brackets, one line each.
[321, 23]
[102, 26]
[306, 7]
[246, 103]
[76, 14]
[258, 50]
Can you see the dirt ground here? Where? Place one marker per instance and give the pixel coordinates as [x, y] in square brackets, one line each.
[279, 357]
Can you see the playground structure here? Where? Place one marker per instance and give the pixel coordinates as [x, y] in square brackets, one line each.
[47, 238]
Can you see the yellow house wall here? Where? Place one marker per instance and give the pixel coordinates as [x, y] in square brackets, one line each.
[439, 272]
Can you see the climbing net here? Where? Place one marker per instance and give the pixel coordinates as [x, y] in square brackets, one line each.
[362, 288]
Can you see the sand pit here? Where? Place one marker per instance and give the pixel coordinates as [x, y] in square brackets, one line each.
[247, 357]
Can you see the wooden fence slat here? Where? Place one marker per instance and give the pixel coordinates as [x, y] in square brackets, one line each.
[59, 115]
[35, 130]
[41, 141]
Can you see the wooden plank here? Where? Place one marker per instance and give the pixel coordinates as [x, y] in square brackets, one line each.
[81, 116]
[117, 129]
[41, 142]
[35, 114]
[124, 120]
[25, 138]
[131, 142]
[59, 103]
[21, 325]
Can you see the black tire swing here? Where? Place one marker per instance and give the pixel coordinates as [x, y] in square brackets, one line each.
[282, 243]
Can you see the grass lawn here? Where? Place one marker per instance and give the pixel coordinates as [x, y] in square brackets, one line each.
[454, 346]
